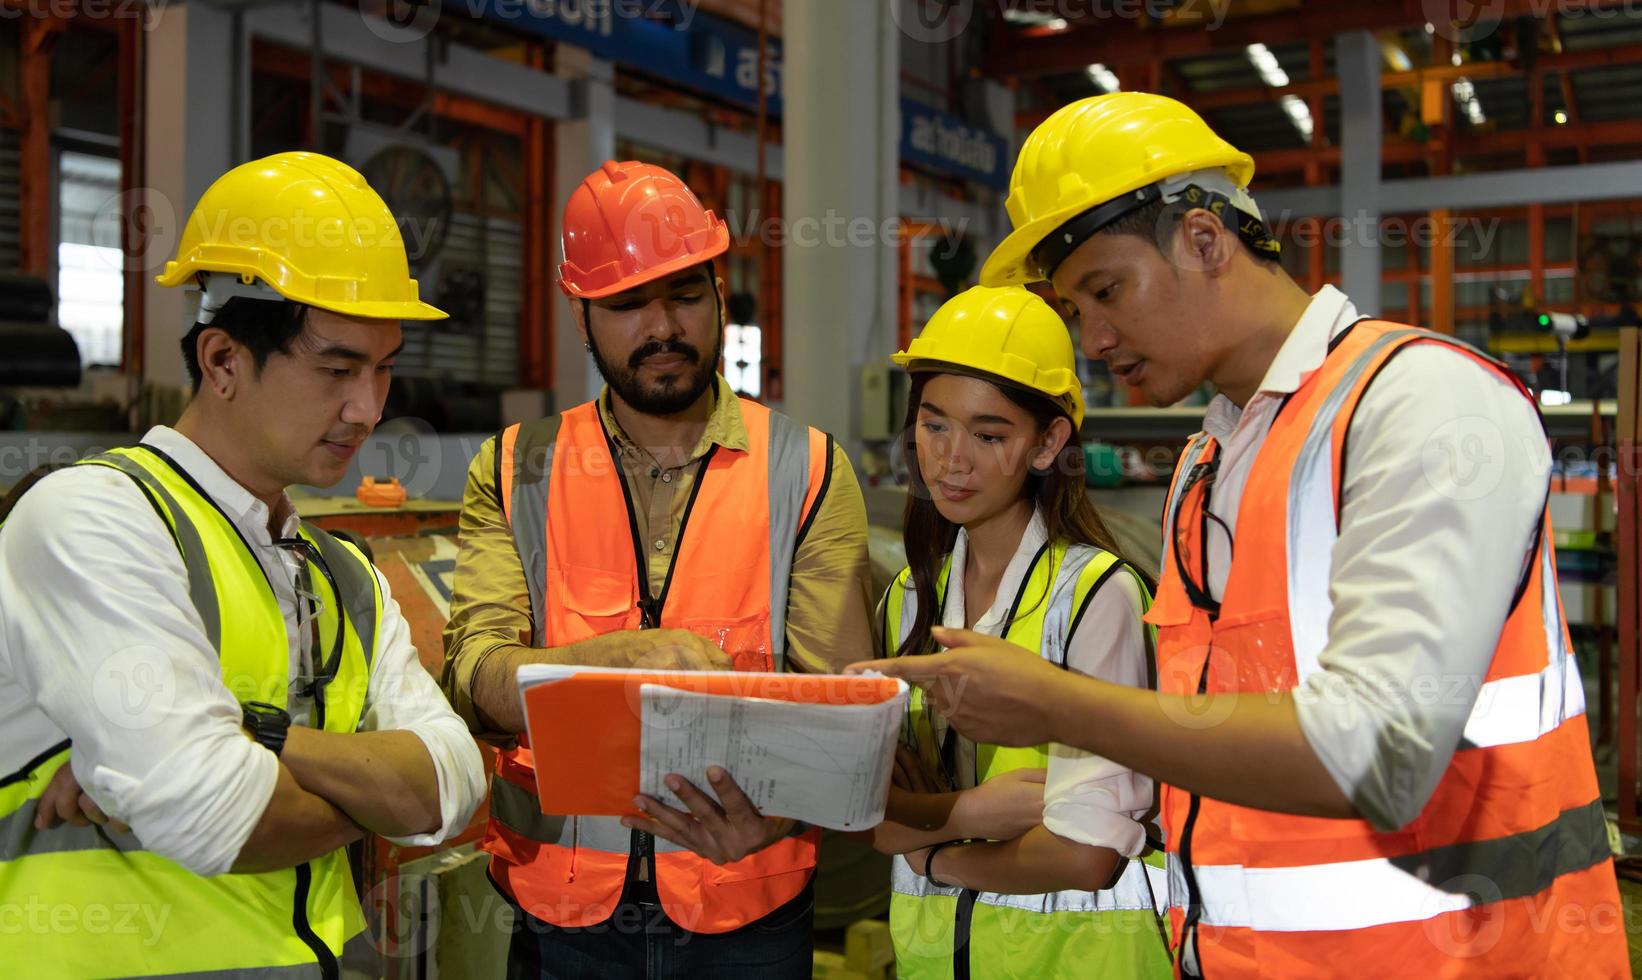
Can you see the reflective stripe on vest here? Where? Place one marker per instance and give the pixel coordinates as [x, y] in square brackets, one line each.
[941, 931]
[1507, 710]
[563, 493]
[1312, 529]
[1388, 890]
[231, 925]
[1513, 824]
[1134, 891]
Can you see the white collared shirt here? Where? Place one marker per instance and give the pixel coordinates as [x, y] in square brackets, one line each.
[99, 642]
[1086, 798]
[1445, 476]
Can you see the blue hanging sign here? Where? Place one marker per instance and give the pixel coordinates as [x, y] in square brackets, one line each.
[934, 139]
[668, 38]
[716, 56]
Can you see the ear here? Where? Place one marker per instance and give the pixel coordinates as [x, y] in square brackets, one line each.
[222, 370]
[580, 309]
[1207, 244]
[723, 301]
[1054, 438]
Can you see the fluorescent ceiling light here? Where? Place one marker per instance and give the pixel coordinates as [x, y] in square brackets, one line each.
[1266, 64]
[1104, 78]
[1033, 18]
[1273, 75]
[1466, 95]
[1300, 114]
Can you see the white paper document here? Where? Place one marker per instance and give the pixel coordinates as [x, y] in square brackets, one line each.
[824, 764]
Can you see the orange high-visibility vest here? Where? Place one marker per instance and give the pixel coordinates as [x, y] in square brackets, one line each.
[568, 505]
[1506, 870]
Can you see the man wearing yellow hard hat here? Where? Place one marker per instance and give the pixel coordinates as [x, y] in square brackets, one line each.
[183, 656]
[1369, 717]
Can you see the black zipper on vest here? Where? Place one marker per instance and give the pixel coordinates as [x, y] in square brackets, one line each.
[643, 844]
[650, 606]
[949, 743]
[1194, 896]
[961, 923]
[329, 968]
[963, 918]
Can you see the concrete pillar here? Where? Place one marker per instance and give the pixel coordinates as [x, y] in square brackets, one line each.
[581, 144]
[1000, 110]
[840, 201]
[194, 65]
[1357, 62]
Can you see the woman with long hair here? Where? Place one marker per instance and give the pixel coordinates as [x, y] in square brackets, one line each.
[1013, 862]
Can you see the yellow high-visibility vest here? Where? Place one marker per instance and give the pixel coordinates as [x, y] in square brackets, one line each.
[136, 913]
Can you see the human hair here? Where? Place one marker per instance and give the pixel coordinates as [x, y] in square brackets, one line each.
[263, 327]
[1058, 492]
[1157, 219]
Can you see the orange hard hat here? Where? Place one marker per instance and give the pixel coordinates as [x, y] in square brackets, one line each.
[630, 223]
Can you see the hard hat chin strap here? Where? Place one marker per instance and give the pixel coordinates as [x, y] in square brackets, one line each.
[217, 288]
[1233, 204]
[1208, 189]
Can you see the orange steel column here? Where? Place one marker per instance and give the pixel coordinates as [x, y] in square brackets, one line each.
[903, 252]
[40, 35]
[136, 223]
[769, 288]
[1630, 642]
[536, 323]
[1536, 212]
[1437, 111]
[1319, 132]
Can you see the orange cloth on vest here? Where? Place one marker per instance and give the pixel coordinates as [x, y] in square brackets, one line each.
[719, 587]
[1276, 895]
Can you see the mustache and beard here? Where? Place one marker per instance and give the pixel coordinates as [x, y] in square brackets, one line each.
[667, 395]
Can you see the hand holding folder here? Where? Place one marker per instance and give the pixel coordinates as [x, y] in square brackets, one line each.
[813, 747]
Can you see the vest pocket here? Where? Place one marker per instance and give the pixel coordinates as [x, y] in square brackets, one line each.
[745, 640]
[603, 600]
[1255, 655]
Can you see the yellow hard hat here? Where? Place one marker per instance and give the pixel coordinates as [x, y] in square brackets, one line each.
[1010, 334]
[310, 229]
[1095, 151]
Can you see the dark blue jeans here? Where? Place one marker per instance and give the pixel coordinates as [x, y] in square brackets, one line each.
[639, 942]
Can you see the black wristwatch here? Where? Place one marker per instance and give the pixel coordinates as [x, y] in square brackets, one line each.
[268, 724]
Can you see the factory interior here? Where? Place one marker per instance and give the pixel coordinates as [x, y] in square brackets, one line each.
[1472, 168]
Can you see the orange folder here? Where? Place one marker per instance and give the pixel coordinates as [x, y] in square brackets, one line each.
[585, 729]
